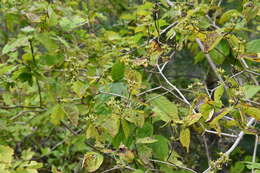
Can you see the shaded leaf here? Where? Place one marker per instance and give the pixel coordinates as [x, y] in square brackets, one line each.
[117, 72]
[160, 148]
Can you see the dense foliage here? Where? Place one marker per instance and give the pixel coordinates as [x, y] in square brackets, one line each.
[129, 86]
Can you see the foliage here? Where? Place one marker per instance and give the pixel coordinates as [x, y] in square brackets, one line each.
[134, 86]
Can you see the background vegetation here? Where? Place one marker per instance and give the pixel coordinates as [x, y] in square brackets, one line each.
[129, 86]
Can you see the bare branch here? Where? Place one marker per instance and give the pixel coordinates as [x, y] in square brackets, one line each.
[255, 150]
[173, 86]
[210, 61]
[239, 138]
[224, 134]
[171, 164]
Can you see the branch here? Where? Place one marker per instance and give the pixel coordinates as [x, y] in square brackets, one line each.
[211, 63]
[173, 86]
[255, 150]
[172, 164]
[20, 106]
[239, 138]
[224, 134]
[169, 3]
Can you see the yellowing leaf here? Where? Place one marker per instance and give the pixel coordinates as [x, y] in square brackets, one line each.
[193, 118]
[211, 41]
[57, 115]
[6, 154]
[92, 161]
[185, 138]
[218, 93]
[250, 111]
[146, 140]
[72, 112]
[252, 57]
[112, 125]
[79, 88]
[220, 114]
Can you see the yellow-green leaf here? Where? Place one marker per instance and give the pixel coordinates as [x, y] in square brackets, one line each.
[92, 161]
[218, 93]
[146, 140]
[6, 154]
[250, 111]
[193, 118]
[79, 88]
[112, 125]
[185, 138]
[57, 115]
[251, 90]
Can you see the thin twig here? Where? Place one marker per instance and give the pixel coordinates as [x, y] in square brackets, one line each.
[206, 148]
[111, 169]
[255, 150]
[224, 134]
[235, 144]
[210, 61]
[113, 94]
[172, 164]
[37, 81]
[149, 90]
[173, 86]
[19, 106]
[24, 112]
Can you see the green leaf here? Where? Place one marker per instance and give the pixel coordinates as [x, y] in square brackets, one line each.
[251, 90]
[57, 114]
[117, 72]
[126, 128]
[160, 148]
[13, 45]
[163, 106]
[52, 59]
[146, 130]
[47, 40]
[146, 140]
[138, 171]
[92, 161]
[144, 153]
[228, 15]
[70, 23]
[27, 154]
[185, 138]
[6, 154]
[253, 46]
